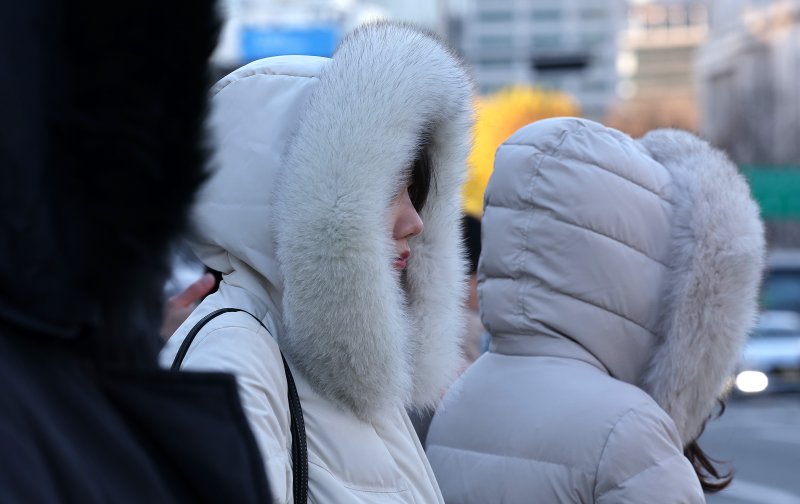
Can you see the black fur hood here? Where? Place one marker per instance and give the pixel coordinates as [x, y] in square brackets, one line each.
[100, 157]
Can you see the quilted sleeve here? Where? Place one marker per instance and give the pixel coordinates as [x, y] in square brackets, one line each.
[642, 462]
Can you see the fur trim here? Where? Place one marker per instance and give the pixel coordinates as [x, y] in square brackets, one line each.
[716, 260]
[350, 327]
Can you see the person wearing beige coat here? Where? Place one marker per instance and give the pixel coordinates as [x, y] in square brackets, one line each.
[311, 154]
[618, 279]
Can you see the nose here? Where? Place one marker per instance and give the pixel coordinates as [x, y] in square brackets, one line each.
[407, 221]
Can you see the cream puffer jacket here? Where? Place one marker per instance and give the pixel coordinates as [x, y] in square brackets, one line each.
[309, 153]
[618, 279]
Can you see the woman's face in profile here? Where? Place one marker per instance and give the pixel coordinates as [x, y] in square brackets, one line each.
[405, 223]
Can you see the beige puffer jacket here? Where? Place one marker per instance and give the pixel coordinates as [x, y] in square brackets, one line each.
[618, 279]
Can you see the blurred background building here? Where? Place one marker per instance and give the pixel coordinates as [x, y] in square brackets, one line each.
[749, 72]
[750, 102]
[569, 45]
[725, 68]
[656, 65]
[431, 14]
[256, 29]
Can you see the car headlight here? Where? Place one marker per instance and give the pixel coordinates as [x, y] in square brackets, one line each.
[751, 381]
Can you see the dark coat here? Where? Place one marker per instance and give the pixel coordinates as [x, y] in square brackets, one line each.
[100, 156]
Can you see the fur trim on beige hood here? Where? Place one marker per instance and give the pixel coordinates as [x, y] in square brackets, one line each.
[310, 153]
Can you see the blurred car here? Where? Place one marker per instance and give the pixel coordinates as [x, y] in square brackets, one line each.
[781, 287]
[771, 359]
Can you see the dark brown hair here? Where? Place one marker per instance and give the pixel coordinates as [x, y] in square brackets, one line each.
[711, 478]
[422, 175]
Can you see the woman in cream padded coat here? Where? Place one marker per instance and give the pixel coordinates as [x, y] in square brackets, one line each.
[618, 279]
[313, 158]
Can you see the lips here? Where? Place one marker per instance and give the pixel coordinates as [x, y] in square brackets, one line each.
[401, 262]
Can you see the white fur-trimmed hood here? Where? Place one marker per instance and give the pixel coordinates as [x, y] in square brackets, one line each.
[310, 153]
[716, 263]
[349, 327]
[646, 253]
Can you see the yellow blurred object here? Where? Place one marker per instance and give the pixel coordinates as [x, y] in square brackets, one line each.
[498, 116]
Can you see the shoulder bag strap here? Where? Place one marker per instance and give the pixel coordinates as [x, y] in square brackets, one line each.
[298, 427]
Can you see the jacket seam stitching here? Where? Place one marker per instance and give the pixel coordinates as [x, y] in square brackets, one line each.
[203, 336]
[515, 457]
[356, 488]
[648, 468]
[240, 79]
[557, 217]
[612, 172]
[603, 451]
[551, 154]
[596, 305]
[531, 188]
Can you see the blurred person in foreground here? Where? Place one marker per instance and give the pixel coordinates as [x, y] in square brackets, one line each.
[333, 218]
[100, 156]
[618, 279]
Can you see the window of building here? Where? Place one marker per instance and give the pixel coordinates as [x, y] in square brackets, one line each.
[638, 16]
[495, 40]
[547, 41]
[550, 82]
[595, 39]
[595, 86]
[678, 15]
[546, 14]
[495, 63]
[495, 16]
[593, 14]
[656, 16]
[489, 88]
[698, 15]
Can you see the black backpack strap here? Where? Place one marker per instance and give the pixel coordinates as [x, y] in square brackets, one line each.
[176, 364]
[298, 426]
[299, 447]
